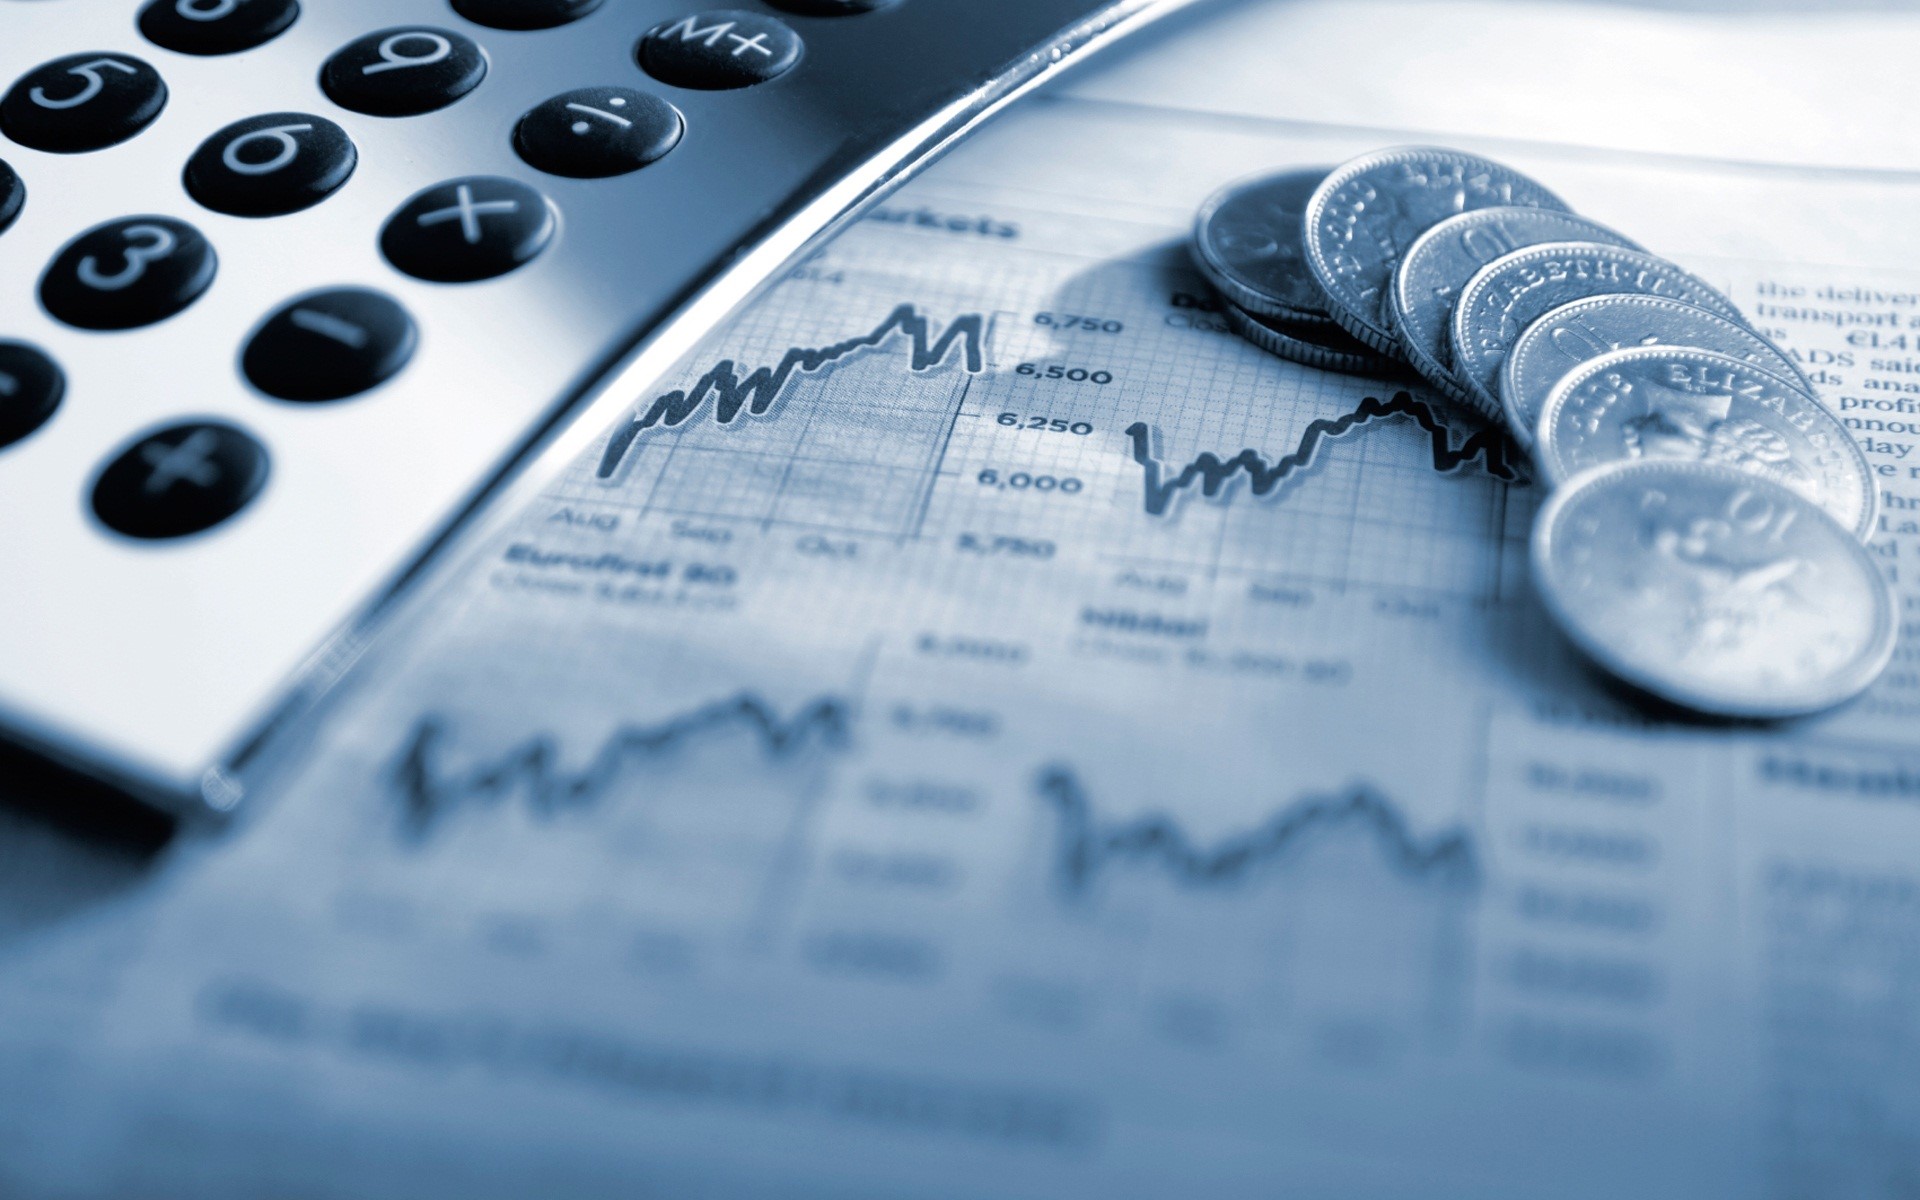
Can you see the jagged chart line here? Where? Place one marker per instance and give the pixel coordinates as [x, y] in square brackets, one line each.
[1086, 847]
[533, 769]
[1213, 472]
[732, 396]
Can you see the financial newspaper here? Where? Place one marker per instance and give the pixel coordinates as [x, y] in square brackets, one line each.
[983, 730]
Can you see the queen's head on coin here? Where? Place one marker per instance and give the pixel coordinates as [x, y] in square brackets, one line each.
[1673, 403]
[1688, 423]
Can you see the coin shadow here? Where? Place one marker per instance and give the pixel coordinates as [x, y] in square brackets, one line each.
[1109, 290]
[1551, 666]
[1656, 710]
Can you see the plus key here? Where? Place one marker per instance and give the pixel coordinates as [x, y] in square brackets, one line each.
[179, 480]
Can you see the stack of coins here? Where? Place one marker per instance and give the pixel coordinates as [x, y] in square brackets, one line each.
[1248, 241]
[1703, 541]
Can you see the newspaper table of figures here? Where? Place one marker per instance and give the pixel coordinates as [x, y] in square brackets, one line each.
[984, 729]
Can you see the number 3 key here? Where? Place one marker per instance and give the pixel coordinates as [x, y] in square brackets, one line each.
[128, 273]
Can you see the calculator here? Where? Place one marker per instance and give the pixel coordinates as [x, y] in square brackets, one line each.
[291, 290]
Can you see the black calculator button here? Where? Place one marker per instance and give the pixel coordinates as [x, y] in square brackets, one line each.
[595, 132]
[468, 229]
[330, 345]
[404, 72]
[128, 273]
[216, 26]
[270, 165]
[13, 195]
[180, 480]
[82, 102]
[722, 49]
[31, 385]
[831, 8]
[524, 14]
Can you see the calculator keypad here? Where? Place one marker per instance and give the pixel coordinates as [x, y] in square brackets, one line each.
[82, 102]
[128, 273]
[215, 26]
[442, 227]
[591, 133]
[714, 51]
[524, 14]
[404, 72]
[467, 230]
[270, 165]
[179, 480]
[330, 345]
[31, 385]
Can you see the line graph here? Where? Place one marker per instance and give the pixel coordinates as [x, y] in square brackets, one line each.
[1086, 846]
[731, 395]
[1213, 473]
[533, 770]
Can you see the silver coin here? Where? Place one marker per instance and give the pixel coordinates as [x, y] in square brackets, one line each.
[1712, 589]
[1573, 333]
[1247, 241]
[1677, 403]
[1327, 347]
[1441, 260]
[1511, 293]
[1364, 216]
